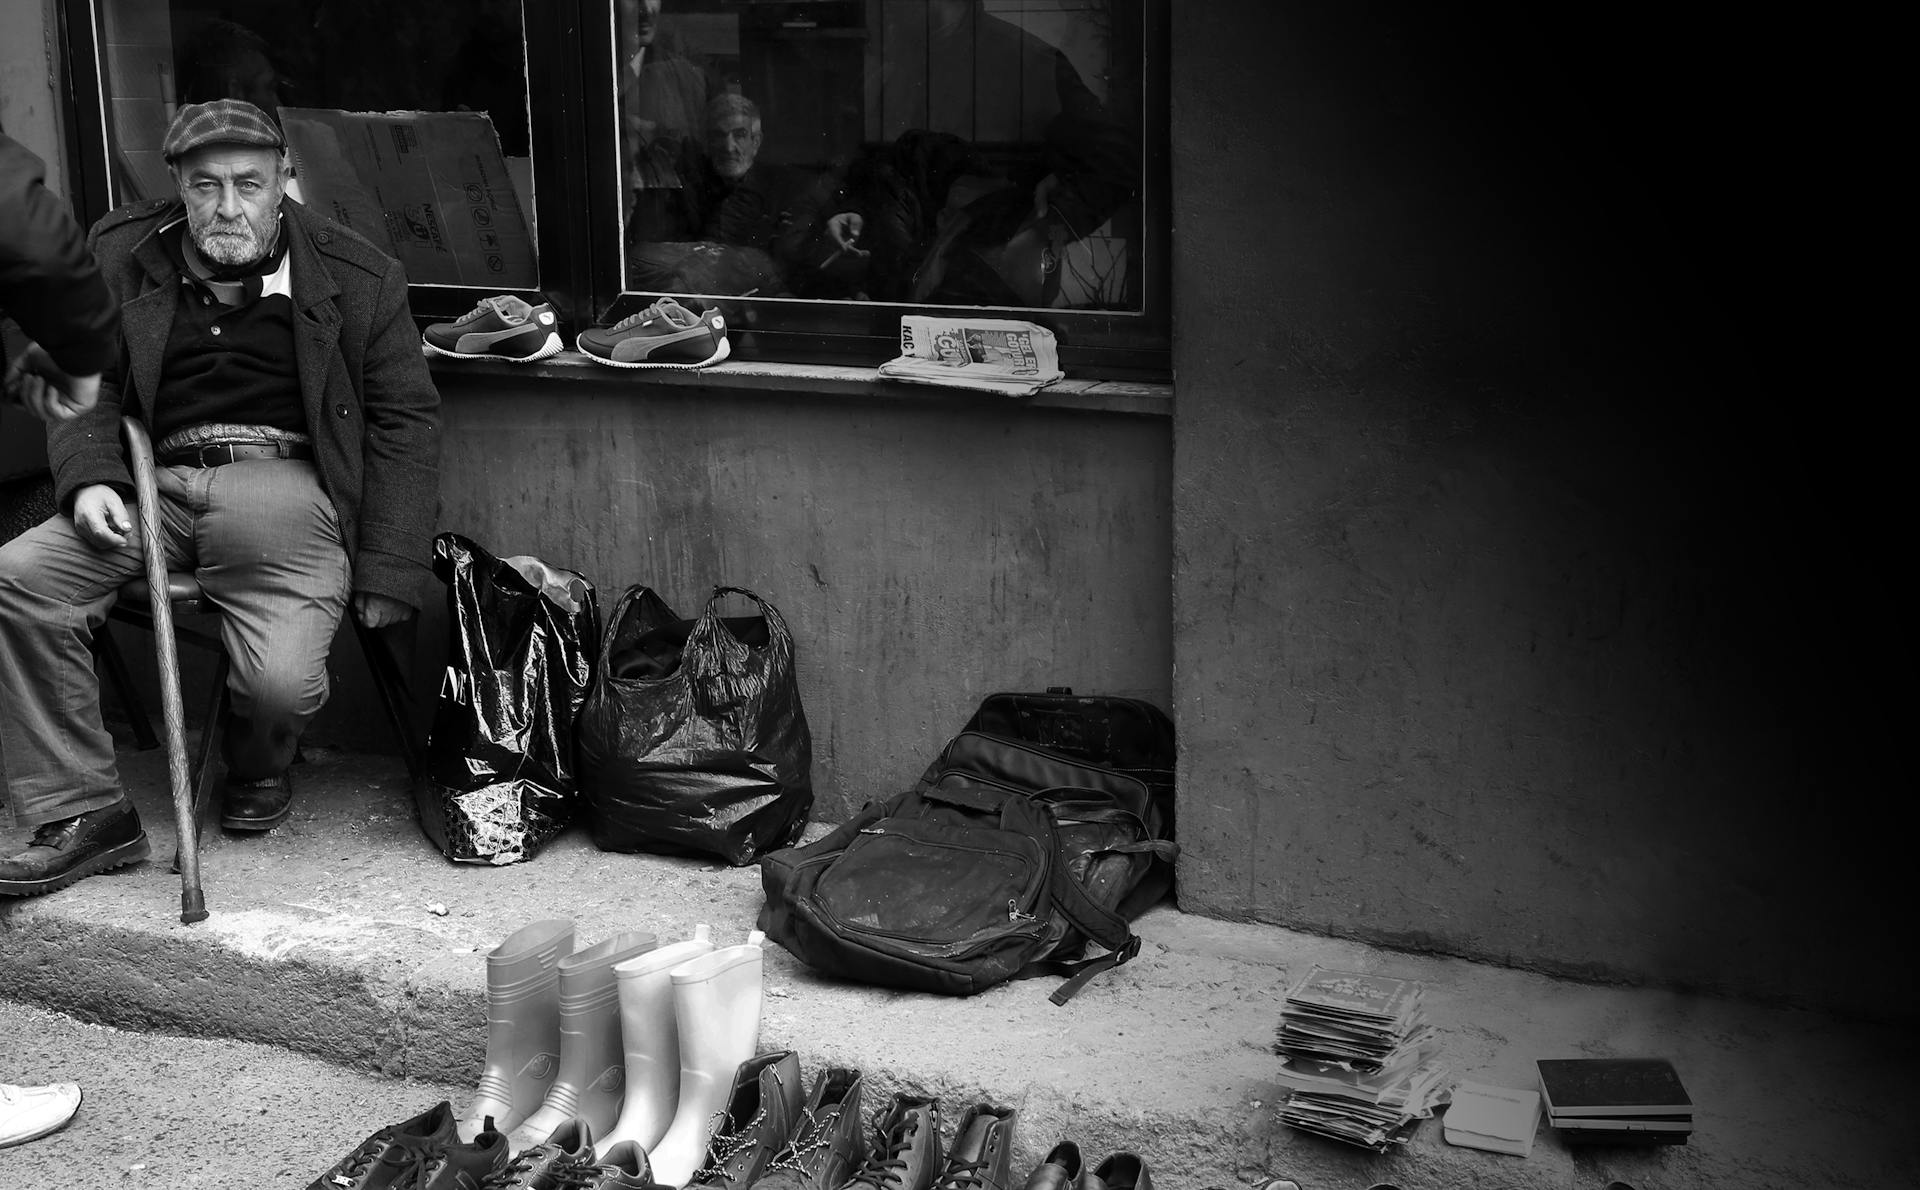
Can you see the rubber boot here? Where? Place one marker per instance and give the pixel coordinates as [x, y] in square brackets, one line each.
[523, 1027]
[593, 1069]
[716, 1011]
[652, 1041]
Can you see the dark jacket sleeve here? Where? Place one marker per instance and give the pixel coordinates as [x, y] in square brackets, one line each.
[49, 282]
[400, 506]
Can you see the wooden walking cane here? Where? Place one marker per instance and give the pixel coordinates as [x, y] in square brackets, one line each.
[193, 902]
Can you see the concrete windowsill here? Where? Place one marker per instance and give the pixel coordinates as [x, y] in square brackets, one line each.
[817, 380]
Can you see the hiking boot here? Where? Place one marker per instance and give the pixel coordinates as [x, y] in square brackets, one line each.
[502, 328]
[256, 805]
[362, 1169]
[908, 1155]
[29, 1113]
[567, 1153]
[74, 848]
[761, 1111]
[825, 1146]
[1060, 1170]
[664, 335]
[1122, 1171]
[982, 1153]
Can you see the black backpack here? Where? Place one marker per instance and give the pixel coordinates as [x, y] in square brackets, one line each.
[1006, 860]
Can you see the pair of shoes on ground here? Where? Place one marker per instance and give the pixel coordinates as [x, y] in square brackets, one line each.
[420, 1153]
[29, 1113]
[67, 851]
[664, 335]
[1061, 1169]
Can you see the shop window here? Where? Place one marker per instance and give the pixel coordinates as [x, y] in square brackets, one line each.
[815, 167]
[407, 122]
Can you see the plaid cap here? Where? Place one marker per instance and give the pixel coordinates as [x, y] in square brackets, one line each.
[220, 122]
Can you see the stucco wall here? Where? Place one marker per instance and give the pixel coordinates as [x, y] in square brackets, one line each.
[1504, 610]
[925, 552]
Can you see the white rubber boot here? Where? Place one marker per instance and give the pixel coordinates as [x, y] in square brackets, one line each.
[716, 1009]
[652, 1041]
[593, 1068]
[523, 1027]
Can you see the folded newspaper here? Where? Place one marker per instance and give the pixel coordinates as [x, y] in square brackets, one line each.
[996, 355]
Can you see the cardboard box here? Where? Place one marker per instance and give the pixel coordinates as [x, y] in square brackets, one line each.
[430, 187]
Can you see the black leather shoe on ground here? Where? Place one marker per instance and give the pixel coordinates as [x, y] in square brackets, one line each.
[73, 849]
[257, 805]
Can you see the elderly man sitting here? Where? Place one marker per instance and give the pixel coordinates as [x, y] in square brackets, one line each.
[273, 357]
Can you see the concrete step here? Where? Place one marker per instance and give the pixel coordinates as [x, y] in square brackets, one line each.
[345, 935]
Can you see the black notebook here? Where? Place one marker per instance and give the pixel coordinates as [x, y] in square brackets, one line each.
[1582, 1087]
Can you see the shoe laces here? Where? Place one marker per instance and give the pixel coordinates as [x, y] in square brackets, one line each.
[663, 309]
[966, 1175]
[358, 1162]
[887, 1164]
[419, 1158]
[809, 1136]
[724, 1147]
[498, 304]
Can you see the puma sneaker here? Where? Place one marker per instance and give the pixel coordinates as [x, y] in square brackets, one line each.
[664, 335]
[503, 328]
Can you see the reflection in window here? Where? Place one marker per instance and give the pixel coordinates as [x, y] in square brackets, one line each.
[367, 92]
[933, 152]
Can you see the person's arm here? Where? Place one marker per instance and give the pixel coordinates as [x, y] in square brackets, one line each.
[400, 497]
[49, 282]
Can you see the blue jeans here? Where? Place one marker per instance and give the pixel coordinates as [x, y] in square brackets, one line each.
[262, 538]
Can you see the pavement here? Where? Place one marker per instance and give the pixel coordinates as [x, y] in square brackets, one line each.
[344, 936]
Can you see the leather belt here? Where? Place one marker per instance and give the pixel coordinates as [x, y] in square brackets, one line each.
[219, 454]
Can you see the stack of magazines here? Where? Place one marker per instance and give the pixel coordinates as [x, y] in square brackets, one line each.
[995, 355]
[1361, 1063]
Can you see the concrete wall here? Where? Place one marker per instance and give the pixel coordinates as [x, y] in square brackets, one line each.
[925, 553]
[1513, 617]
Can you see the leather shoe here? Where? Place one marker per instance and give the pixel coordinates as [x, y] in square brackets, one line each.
[74, 848]
[256, 805]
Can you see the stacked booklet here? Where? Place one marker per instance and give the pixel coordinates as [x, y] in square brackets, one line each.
[1615, 1100]
[1498, 1119]
[1361, 1063]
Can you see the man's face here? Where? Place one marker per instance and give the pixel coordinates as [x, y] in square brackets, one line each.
[732, 142]
[640, 21]
[233, 201]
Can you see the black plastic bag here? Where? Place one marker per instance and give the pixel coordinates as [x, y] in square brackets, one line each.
[500, 761]
[693, 740]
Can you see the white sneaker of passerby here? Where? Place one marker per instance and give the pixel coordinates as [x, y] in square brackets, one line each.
[27, 1113]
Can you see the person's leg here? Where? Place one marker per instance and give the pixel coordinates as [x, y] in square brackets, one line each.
[55, 589]
[272, 559]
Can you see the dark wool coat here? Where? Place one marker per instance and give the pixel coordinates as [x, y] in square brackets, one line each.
[371, 406]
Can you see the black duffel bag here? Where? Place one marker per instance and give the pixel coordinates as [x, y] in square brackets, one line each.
[693, 740]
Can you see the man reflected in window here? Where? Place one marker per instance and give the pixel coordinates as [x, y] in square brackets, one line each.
[721, 233]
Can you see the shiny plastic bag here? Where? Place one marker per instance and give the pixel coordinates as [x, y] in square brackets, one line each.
[500, 759]
[693, 740]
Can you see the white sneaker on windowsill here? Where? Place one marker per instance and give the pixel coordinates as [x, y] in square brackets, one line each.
[27, 1113]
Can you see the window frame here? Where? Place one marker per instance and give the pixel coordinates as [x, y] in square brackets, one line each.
[576, 202]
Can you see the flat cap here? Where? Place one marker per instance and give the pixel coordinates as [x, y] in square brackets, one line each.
[220, 122]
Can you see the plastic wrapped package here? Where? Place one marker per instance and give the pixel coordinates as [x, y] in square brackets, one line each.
[500, 754]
